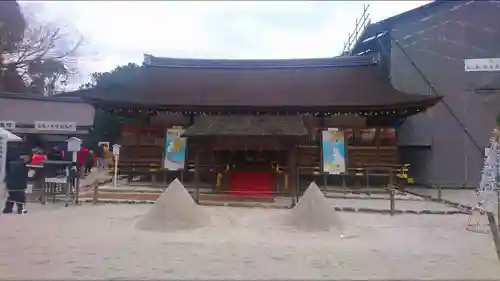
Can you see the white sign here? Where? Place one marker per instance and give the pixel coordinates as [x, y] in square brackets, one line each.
[103, 143]
[55, 180]
[55, 126]
[175, 132]
[7, 124]
[3, 155]
[474, 65]
[116, 153]
[29, 188]
[116, 149]
[74, 144]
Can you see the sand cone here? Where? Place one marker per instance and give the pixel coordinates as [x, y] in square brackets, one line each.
[314, 212]
[174, 210]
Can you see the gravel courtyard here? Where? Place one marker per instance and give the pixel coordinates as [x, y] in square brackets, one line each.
[100, 242]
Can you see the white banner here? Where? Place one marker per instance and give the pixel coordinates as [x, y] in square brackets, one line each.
[55, 126]
[3, 156]
[175, 150]
[488, 64]
[6, 124]
[333, 151]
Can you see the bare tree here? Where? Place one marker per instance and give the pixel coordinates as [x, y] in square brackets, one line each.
[46, 56]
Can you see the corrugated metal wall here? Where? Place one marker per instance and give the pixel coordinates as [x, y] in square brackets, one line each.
[438, 44]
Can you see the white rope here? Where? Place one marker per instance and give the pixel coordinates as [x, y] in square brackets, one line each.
[488, 187]
[487, 193]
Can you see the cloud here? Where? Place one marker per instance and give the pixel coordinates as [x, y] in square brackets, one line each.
[120, 32]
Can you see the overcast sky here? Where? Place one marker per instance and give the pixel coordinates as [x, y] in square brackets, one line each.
[120, 32]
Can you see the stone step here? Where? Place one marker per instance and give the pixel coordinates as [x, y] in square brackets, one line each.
[154, 196]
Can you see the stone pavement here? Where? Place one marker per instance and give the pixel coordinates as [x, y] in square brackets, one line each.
[99, 177]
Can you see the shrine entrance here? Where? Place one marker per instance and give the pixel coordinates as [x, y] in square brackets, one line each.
[252, 160]
[252, 172]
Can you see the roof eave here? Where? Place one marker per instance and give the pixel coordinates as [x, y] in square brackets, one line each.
[421, 105]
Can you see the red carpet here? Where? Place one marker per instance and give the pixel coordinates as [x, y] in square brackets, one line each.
[251, 183]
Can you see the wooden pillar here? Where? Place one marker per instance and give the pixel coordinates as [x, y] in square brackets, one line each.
[392, 200]
[292, 170]
[40, 183]
[321, 128]
[377, 144]
[95, 194]
[198, 150]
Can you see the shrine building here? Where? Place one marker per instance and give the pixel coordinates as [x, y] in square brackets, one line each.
[254, 126]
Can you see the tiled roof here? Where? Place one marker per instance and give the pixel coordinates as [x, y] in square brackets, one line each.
[333, 84]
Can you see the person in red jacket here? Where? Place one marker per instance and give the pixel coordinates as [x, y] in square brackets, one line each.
[37, 157]
[81, 158]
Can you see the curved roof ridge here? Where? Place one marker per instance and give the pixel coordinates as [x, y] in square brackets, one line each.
[341, 61]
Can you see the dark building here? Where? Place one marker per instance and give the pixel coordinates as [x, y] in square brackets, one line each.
[423, 52]
[42, 121]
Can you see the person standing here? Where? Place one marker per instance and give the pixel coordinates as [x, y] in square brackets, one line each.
[16, 181]
[81, 157]
[38, 156]
[100, 158]
[55, 154]
[90, 161]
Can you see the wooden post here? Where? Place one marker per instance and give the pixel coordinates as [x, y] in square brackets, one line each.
[367, 177]
[95, 194]
[77, 189]
[197, 173]
[392, 198]
[494, 232]
[498, 207]
[40, 181]
[292, 159]
[391, 177]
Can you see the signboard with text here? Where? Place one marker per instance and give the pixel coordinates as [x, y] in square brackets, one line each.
[55, 126]
[8, 125]
[487, 64]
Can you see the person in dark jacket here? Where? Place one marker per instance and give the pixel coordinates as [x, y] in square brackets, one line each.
[55, 154]
[89, 161]
[16, 181]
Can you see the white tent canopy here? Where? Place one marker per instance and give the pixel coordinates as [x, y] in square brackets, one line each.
[10, 136]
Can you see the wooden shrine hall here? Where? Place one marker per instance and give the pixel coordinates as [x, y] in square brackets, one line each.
[253, 125]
